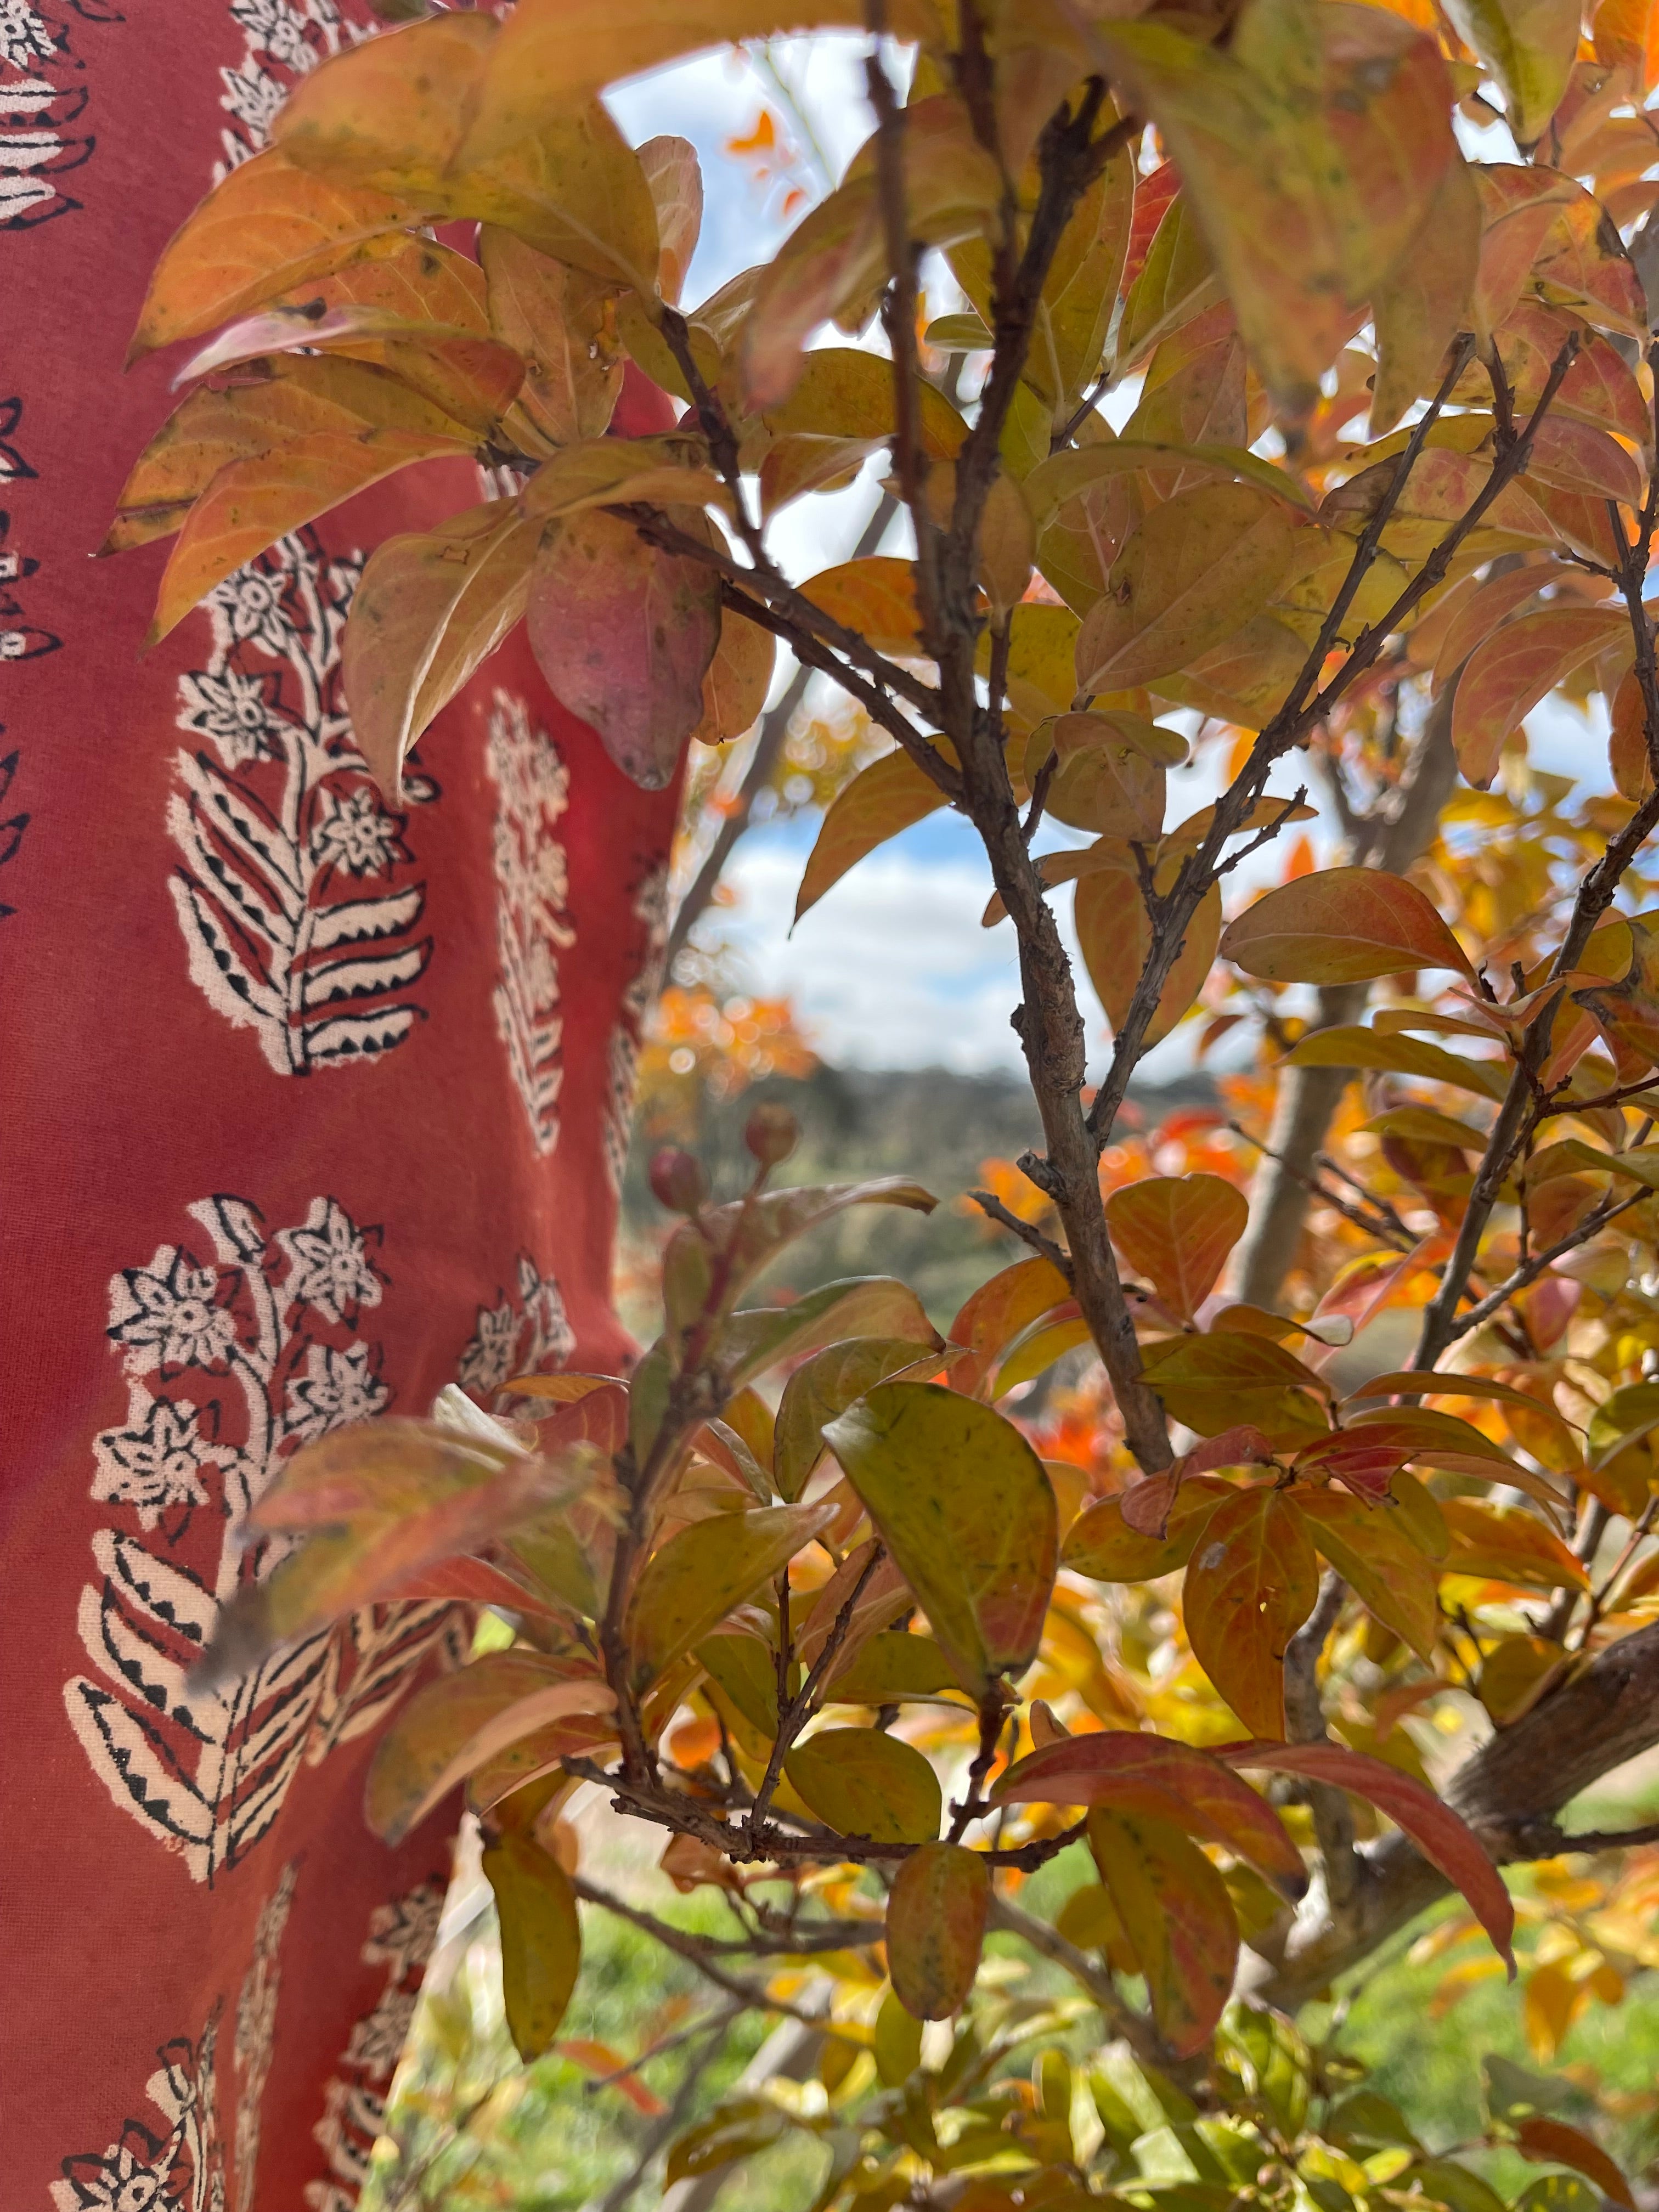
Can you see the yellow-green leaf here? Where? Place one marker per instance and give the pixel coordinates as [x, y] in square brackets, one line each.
[963, 1505]
[936, 1915]
[1177, 1918]
[862, 1782]
[697, 1578]
[541, 1940]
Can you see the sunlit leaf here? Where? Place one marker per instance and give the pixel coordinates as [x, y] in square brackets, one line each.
[882, 799]
[823, 1387]
[1505, 678]
[1115, 937]
[1198, 568]
[453, 1725]
[963, 1503]
[1508, 1545]
[1250, 1584]
[559, 320]
[1100, 1544]
[1529, 45]
[862, 1782]
[1167, 1781]
[936, 1915]
[1178, 1230]
[1392, 1576]
[1341, 926]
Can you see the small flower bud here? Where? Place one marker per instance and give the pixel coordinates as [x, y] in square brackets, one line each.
[677, 1180]
[771, 1133]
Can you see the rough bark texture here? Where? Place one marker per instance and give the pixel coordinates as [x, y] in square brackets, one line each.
[1509, 1792]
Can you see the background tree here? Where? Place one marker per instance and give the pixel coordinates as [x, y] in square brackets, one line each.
[1387, 485]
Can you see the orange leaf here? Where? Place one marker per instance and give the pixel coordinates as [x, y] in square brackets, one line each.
[1371, 1548]
[1116, 938]
[599, 2059]
[1554, 2143]
[1444, 1840]
[1342, 926]
[1250, 1584]
[1178, 1230]
[880, 801]
[1507, 1544]
[1507, 676]
[268, 226]
[1168, 1781]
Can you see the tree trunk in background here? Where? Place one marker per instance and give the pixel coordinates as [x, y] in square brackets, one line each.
[1308, 1096]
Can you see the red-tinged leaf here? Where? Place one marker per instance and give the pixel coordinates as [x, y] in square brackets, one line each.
[475, 1581]
[1147, 1505]
[964, 1506]
[1115, 938]
[1413, 1383]
[1598, 388]
[1178, 1230]
[268, 226]
[611, 2068]
[431, 606]
[383, 1502]
[1444, 1840]
[250, 504]
[1365, 1464]
[541, 1939]
[1372, 1550]
[1627, 743]
[466, 373]
[1342, 926]
[881, 800]
[1250, 1584]
[532, 1758]
[1505, 678]
[1004, 1307]
[1167, 1781]
[1100, 1544]
[1177, 1917]
[1482, 605]
[624, 633]
[457, 1723]
[936, 1915]
[1580, 458]
[1443, 1440]
[1506, 1544]
[1554, 2142]
[1196, 569]
[700, 1574]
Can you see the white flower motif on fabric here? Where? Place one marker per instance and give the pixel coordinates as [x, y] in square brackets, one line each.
[401, 1936]
[532, 885]
[521, 1335]
[293, 898]
[651, 910]
[256, 2030]
[238, 1346]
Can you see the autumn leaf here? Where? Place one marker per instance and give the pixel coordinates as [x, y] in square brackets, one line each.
[624, 633]
[862, 1782]
[268, 226]
[1178, 1230]
[1196, 569]
[962, 1502]
[936, 1915]
[699, 1575]
[430, 607]
[881, 800]
[1115, 937]
[1520, 664]
[1341, 926]
[1529, 47]
[822, 1388]
[541, 1939]
[1508, 1545]
[1100, 1544]
[1548, 2142]
[1250, 1584]
[1168, 1781]
[1177, 1917]
[1444, 1840]
[1390, 1574]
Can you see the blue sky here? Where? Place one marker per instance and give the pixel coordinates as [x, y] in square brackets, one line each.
[892, 968]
